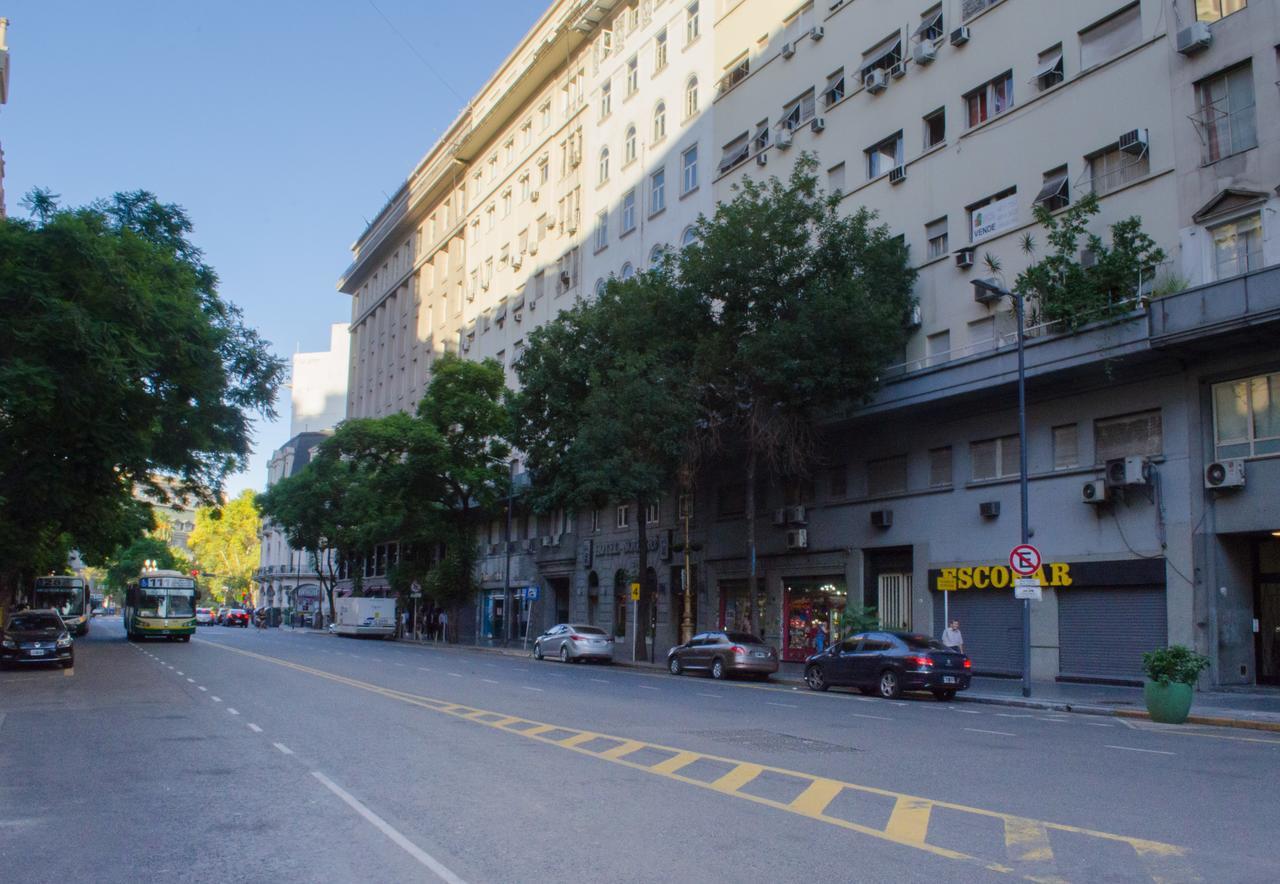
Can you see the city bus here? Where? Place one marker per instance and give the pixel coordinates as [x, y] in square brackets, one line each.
[162, 604]
[69, 596]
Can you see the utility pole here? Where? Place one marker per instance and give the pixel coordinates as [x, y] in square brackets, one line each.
[506, 573]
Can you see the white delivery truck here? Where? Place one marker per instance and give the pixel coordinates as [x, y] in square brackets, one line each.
[364, 616]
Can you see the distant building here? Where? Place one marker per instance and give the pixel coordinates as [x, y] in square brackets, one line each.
[178, 510]
[4, 94]
[319, 387]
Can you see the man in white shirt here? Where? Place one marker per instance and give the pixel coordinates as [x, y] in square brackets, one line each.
[952, 638]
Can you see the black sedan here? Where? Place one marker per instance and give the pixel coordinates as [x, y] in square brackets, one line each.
[888, 663]
[37, 636]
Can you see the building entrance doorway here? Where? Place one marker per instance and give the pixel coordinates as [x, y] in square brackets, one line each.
[1266, 609]
[894, 600]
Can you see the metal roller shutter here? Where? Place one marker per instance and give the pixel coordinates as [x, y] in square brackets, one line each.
[991, 623]
[1103, 633]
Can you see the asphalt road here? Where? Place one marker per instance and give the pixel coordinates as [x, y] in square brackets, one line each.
[283, 756]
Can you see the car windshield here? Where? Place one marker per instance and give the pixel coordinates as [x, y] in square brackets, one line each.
[743, 638]
[22, 622]
[587, 630]
[923, 643]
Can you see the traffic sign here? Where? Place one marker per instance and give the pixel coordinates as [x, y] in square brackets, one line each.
[531, 593]
[1024, 559]
[635, 591]
[415, 590]
[1027, 588]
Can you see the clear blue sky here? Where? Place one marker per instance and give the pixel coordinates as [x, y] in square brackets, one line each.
[280, 125]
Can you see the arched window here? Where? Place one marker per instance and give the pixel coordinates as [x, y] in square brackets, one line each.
[628, 271]
[604, 165]
[691, 97]
[687, 237]
[629, 145]
[655, 254]
[660, 122]
[599, 287]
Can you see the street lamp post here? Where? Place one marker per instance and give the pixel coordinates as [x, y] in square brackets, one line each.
[506, 573]
[990, 286]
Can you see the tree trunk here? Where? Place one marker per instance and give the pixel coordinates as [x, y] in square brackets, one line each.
[752, 577]
[641, 625]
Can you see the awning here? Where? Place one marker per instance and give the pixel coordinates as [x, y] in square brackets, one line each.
[875, 57]
[1049, 66]
[930, 23]
[735, 153]
[1054, 187]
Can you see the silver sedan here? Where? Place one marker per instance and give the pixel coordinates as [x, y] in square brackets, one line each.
[571, 642]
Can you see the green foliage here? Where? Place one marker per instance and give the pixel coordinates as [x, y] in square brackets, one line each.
[1175, 663]
[120, 361]
[859, 618]
[126, 563]
[225, 542]
[1058, 288]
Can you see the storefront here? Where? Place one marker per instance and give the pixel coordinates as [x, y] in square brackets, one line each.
[493, 619]
[991, 623]
[813, 610]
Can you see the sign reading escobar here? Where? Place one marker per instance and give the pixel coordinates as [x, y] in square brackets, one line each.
[1056, 574]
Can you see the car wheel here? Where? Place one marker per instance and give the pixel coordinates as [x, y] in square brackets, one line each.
[564, 654]
[674, 665]
[889, 685]
[945, 696]
[537, 651]
[717, 668]
[814, 678]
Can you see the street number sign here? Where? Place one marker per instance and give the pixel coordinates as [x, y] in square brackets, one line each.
[635, 592]
[1024, 560]
[1027, 588]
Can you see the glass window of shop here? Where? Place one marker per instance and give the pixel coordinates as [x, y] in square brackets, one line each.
[814, 608]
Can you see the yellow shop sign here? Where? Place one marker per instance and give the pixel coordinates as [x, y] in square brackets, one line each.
[1055, 574]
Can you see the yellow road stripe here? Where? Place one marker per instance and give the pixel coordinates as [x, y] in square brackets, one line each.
[69, 672]
[908, 824]
[738, 777]
[1026, 841]
[578, 739]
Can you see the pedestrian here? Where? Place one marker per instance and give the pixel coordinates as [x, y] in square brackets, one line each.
[444, 625]
[952, 638]
[404, 624]
[820, 638]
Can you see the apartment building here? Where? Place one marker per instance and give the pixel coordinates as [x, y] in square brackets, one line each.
[951, 120]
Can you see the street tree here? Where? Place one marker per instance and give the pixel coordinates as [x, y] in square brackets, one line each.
[808, 306]
[125, 564]
[120, 361]
[227, 547]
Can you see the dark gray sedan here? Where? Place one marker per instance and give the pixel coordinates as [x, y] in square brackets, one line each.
[572, 642]
[724, 653]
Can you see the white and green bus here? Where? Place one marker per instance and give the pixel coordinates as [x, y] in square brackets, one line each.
[160, 604]
[69, 596]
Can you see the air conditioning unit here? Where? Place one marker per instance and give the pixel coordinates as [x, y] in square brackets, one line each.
[798, 538]
[533, 195]
[817, 124]
[788, 49]
[1125, 471]
[899, 70]
[1194, 37]
[924, 53]
[897, 174]
[1228, 473]
[985, 295]
[493, 548]
[915, 319]
[762, 159]
[882, 518]
[796, 515]
[876, 81]
[989, 509]
[817, 32]
[784, 139]
[1094, 492]
[526, 546]
[780, 516]
[960, 36]
[964, 259]
[1134, 142]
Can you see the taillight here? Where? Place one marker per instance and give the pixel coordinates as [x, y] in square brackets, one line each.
[922, 662]
[578, 638]
[968, 664]
[738, 649]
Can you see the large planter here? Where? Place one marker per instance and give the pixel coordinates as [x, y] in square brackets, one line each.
[1167, 703]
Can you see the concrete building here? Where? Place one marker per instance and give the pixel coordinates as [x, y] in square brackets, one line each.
[4, 94]
[951, 120]
[318, 385]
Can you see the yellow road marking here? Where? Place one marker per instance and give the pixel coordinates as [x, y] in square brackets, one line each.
[1027, 841]
[908, 824]
[69, 672]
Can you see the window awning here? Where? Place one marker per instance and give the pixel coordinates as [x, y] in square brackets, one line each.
[931, 22]
[1054, 187]
[1049, 66]
[880, 55]
[735, 152]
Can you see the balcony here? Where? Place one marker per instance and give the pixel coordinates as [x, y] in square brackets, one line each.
[1241, 309]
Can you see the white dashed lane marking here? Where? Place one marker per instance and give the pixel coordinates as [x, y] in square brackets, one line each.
[1134, 749]
[283, 748]
[232, 711]
[253, 727]
[974, 730]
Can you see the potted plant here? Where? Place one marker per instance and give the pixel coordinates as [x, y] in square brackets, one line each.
[1171, 674]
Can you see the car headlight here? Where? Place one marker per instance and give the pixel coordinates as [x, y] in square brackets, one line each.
[64, 641]
[8, 643]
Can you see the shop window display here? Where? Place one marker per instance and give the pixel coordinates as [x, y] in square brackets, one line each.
[815, 611]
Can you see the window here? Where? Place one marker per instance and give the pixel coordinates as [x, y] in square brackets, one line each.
[606, 98]
[731, 500]
[884, 156]
[761, 139]
[938, 347]
[1049, 71]
[1109, 38]
[886, 476]
[627, 271]
[691, 23]
[567, 267]
[1130, 434]
[835, 88]
[633, 75]
[689, 170]
[1113, 168]
[935, 234]
[1246, 417]
[506, 202]
[685, 507]
[935, 128]
[1237, 246]
[982, 331]
[691, 97]
[509, 151]
[651, 513]
[995, 458]
[660, 50]
[835, 178]
[991, 98]
[1055, 192]
[797, 112]
[526, 187]
[544, 116]
[940, 467]
[689, 237]
[526, 133]
[1066, 446]
[600, 286]
[602, 230]
[883, 57]
[970, 8]
[735, 152]
[931, 27]
[659, 121]
[657, 191]
[1225, 114]
[629, 212]
[623, 516]
[1212, 10]
[735, 72]
[604, 165]
[490, 216]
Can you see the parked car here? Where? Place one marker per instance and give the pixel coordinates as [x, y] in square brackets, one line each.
[724, 653]
[237, 617]
[573, 642]
[888, 663]
[36, 636]
[204, 616]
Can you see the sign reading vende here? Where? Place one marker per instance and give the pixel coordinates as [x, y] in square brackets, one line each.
[994, 217]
